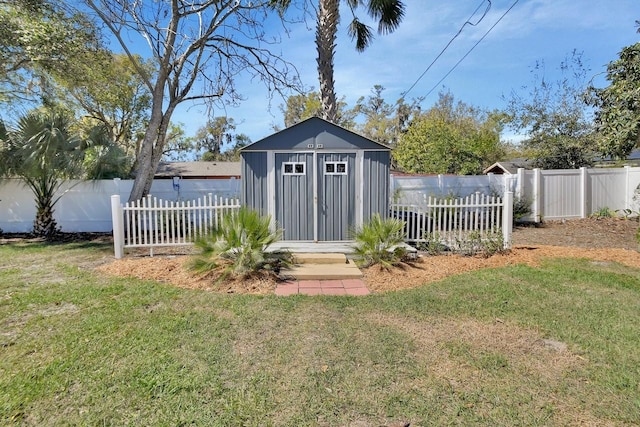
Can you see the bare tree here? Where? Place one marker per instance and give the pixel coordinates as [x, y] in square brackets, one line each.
[199, 47]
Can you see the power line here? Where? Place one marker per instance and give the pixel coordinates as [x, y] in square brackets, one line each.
[467, 22]
[470, 50]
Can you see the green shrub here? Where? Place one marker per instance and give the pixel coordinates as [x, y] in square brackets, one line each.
[380, 242]
[475, 243]
[432, 244]
[240, 245]
[521, 208]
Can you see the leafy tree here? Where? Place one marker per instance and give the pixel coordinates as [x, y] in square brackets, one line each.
[38, 37]
[303, 106]
[387, 13]
[216, 133]
[205, 42]
[385, 123]
[108, 89]
[554, 117]
[43, 152]
[231, 154]
[618, 105]
[450, 137]
[179, 147]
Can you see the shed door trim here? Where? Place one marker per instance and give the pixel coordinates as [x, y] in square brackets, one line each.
[315, 197]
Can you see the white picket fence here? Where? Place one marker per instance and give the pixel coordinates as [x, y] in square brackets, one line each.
[152, 222]
[452, 221]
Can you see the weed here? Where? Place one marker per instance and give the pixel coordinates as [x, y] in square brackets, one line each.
[604, 212]
[484, 244]
[432, 244]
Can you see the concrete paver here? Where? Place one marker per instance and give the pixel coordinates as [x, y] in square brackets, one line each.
[353, 287]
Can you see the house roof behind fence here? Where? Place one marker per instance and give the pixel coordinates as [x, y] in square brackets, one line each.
[508, 167]
[198, 170]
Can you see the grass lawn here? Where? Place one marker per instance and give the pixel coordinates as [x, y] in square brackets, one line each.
[554, 345]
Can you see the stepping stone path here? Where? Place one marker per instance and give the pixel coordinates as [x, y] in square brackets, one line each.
[322, 287]
[322, 274]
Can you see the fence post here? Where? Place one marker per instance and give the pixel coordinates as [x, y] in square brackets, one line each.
[507, 218]
[537, 194]
[118, 226]
[628, 197]
[520, 184]
[583, 192]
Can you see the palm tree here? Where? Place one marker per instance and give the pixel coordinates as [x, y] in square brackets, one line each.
[43, 152]
[388, 13]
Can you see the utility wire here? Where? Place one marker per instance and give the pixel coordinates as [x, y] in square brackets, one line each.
[470, 50]
[467, 22]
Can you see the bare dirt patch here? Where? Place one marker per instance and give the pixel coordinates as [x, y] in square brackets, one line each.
[602, 240]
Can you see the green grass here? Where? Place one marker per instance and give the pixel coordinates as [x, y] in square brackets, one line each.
[81, 348]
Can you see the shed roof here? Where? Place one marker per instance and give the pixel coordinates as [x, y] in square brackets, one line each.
[198, 169]
[315, 133]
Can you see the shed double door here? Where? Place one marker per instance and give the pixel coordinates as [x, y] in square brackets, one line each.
[316, 195]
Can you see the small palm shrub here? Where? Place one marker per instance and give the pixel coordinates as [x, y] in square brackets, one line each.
[240, 246]
[379, 242]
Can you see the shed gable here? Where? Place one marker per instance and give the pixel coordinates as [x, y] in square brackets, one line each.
[314, 133]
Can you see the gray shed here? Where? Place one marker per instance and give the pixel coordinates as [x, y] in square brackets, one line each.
[316, 179]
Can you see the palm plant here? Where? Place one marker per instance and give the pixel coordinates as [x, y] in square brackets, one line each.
[43, 152]
[380, 242]
[240, 244]
[388, 13]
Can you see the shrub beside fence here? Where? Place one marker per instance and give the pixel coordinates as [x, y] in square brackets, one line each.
[152, 222]
[452, 221]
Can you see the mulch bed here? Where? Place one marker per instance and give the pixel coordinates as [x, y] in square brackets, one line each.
[602, 240]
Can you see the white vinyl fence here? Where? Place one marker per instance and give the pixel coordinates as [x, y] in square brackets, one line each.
[85, 206]
[452, 221]
[551, 194]
[152, 222]
[579, 193]
[415, 189]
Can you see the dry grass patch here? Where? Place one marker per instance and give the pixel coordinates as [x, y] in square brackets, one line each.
[488, 365]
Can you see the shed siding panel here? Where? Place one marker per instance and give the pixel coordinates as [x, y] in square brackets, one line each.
[294, 196]
[254, 181]
[376, 183]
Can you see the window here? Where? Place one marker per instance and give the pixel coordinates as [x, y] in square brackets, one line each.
[293, 168]
[335, 168]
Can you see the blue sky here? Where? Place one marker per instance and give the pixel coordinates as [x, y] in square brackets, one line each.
[533, 30]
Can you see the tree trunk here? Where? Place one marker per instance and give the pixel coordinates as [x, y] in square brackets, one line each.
[152, 144]
[45, 225]
[327, 28]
